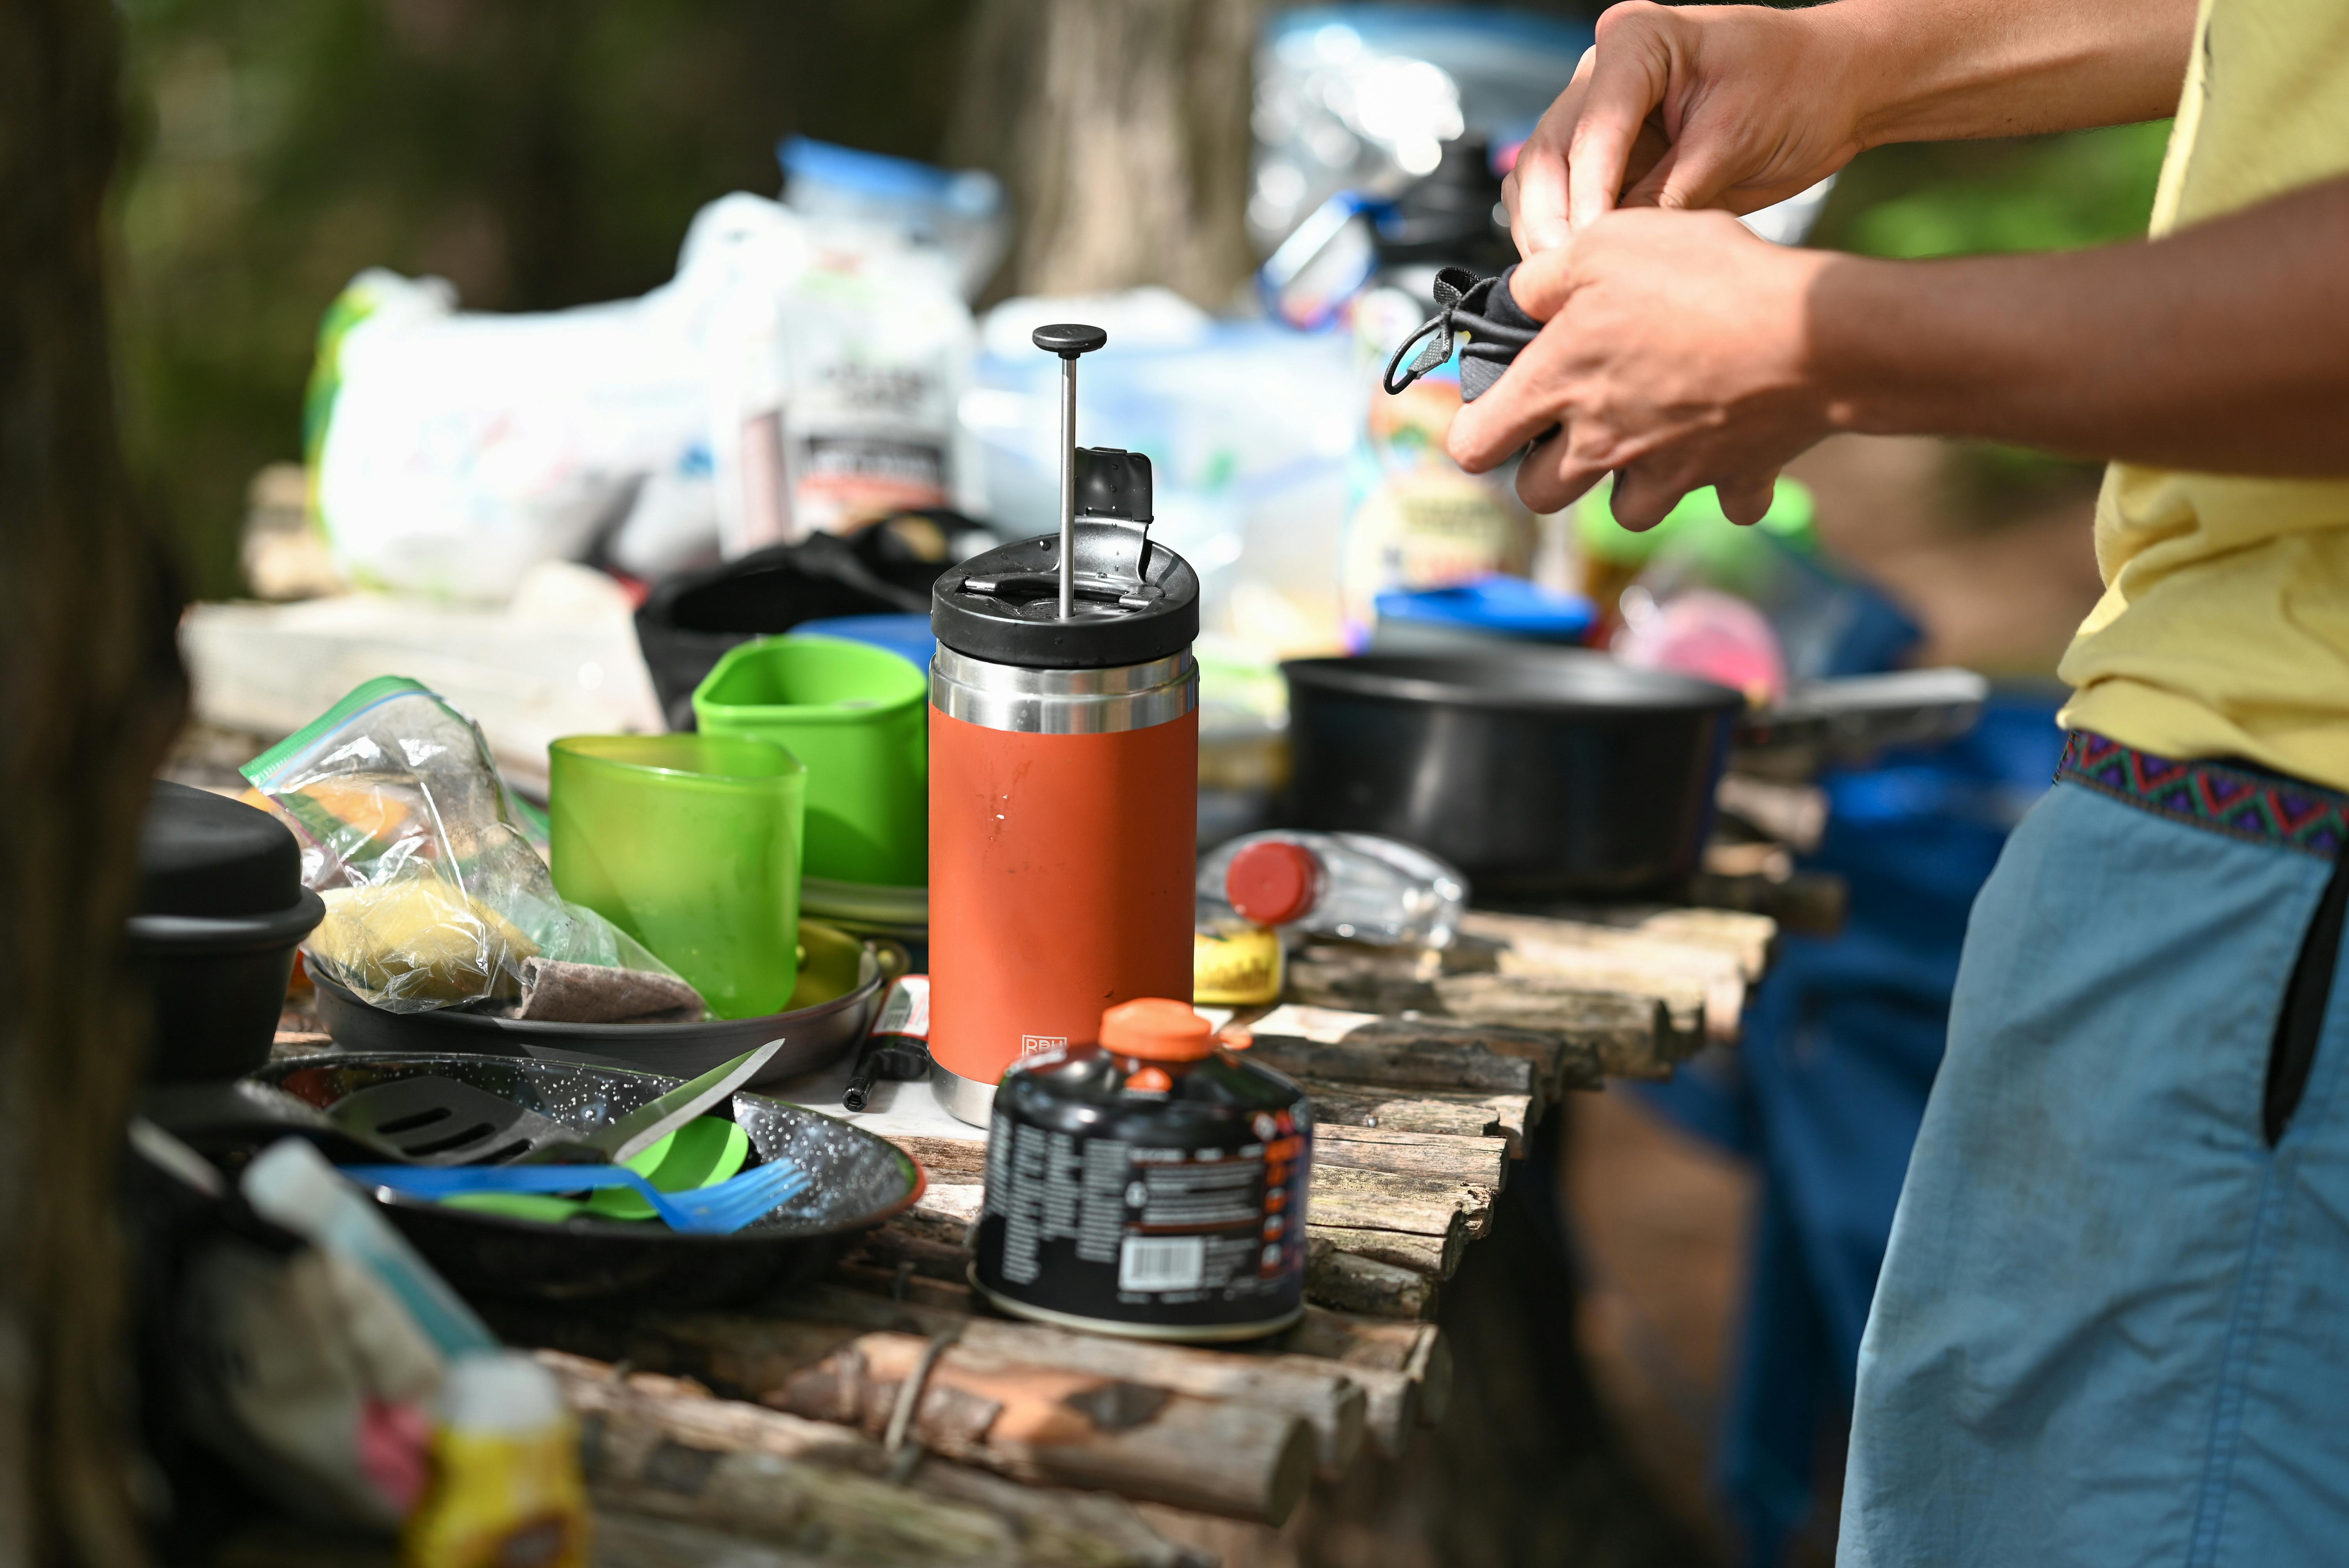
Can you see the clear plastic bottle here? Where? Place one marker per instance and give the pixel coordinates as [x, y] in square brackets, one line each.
[1351, 886]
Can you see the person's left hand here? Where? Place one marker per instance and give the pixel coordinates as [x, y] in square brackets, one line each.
[1674, 356]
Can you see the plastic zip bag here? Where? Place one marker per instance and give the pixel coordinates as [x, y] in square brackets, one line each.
[436, 895]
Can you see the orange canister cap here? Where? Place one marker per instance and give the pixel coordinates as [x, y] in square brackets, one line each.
[1157, 1028]
[1272, 883]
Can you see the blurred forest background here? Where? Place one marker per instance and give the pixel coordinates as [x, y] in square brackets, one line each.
[544, 154]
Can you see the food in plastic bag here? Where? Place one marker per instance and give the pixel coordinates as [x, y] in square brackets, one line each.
[436, 895]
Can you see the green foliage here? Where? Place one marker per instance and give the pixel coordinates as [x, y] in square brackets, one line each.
[538, 153]
[1964, 198]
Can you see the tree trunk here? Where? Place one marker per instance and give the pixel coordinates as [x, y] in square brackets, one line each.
[1121, 129]
[90, 692]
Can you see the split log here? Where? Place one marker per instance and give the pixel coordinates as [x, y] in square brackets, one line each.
[1637, 960]
[1414, 1063]
[1434, 1256]
[1381, 1200]
[1745, 938]
[1478, 1161]
[1628, 1037]
[665, 1446]
[977, 1406]
[1416, 1353]
[1502, 1115]
[1314, 1391]
[1356, 1282]
[1397, 1364]
[1560, 1062]
[1070, 1429]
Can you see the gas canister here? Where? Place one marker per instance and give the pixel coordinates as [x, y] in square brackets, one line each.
[1152, 1186]
[1064, 745]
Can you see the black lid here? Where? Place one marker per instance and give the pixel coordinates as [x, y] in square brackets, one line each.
[1136, 601]
[1451, 216]
[204, 854]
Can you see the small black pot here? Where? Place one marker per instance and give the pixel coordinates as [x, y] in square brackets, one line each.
[1536, 772]
[221, 909]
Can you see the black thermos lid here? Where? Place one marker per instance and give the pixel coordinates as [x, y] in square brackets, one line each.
[204, 854]
[1135, 600]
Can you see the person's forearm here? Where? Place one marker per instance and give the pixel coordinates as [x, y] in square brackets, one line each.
[2222, 348]
[1940, 70]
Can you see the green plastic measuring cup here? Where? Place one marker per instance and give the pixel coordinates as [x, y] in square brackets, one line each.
[690, 843]
[857, 719]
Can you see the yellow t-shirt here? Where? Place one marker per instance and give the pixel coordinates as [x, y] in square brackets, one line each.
[2224, 627]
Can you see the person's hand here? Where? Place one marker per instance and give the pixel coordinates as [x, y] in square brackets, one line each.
[1674, 355]
[1733, 107]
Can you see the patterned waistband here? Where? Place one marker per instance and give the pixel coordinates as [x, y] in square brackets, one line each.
[2220, 797]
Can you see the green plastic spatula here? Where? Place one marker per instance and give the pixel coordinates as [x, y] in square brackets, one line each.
[704, 1151]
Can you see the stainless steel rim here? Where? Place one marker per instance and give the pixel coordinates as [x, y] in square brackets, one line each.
[1063, 702]
[965, 1099]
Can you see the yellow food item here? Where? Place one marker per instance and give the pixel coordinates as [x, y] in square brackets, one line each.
[419, 937]
[1236, 964]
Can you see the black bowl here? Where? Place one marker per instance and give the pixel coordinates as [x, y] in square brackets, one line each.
[860, 1181]
[1551, 772]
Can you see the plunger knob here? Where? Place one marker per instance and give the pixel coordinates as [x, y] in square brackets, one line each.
[1068, 338]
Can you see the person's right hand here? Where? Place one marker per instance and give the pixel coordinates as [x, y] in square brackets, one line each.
[1732, 107]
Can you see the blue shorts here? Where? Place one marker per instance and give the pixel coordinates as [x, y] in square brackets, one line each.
[2113, 1326]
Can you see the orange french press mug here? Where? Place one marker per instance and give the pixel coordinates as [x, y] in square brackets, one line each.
[1064, 764]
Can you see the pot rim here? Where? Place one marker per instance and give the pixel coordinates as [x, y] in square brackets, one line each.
[1391, 677]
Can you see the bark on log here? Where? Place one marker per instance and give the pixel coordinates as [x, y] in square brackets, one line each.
[1314, 1391]
[1120, 128]
[977, 1406]
[665, 1446]
[90, 682]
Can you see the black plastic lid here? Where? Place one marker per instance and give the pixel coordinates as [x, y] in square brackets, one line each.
[204, 854]
[1135, 600]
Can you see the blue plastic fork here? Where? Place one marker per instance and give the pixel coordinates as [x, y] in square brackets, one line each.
[718, 1210]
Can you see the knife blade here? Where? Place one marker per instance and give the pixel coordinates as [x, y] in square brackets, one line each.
[646, 1125]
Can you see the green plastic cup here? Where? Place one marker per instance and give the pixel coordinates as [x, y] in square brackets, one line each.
[690, 843]
[856, 718]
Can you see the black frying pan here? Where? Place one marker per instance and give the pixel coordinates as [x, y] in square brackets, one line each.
[860, 1179]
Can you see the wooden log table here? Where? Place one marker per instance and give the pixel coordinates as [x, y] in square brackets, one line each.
[883, 1415]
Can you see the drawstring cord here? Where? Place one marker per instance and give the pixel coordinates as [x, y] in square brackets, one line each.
[1456, 325]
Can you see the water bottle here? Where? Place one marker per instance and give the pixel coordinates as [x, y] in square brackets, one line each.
[1357, 886]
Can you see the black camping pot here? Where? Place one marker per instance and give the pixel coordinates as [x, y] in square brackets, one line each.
[1548, 772]
[221, 909]
[689, 622]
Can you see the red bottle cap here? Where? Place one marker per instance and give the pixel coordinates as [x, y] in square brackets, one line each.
[1272, 883]
[1156, 1029]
